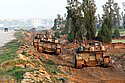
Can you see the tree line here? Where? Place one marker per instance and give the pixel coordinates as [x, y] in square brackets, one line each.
[82, 24]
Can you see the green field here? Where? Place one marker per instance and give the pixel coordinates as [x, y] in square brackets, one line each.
[114, 41]
[122, 33]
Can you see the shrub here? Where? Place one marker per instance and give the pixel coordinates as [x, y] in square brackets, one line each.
[57, 34]
[116, 33]
[104, 35]
[71, 37]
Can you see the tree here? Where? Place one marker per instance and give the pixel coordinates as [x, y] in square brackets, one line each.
[123, 15]
[123, 5]
[123, 21]
[55, 25]
[117, 17]
[99, 21]
[111, 10]
[75, 20]
[104, 35]
[57, 22]
[89, 9]
[108, 17]
[82, 19]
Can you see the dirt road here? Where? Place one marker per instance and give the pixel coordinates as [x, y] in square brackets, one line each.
[6, 37]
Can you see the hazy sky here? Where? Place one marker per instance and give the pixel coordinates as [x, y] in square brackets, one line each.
[38, 8]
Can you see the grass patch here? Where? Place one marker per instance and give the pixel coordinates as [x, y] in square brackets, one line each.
[115, 41]
[8, 51]
[16, 72]
[122, 32]
[11, 63]
[52, 67]
[19, 35]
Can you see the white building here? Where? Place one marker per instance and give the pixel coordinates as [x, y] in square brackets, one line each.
[36, 22]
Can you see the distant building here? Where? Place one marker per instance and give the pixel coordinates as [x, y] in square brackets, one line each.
[36, 23]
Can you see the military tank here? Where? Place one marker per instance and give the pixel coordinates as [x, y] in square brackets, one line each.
[36, 40]
[47, 43]
[92, 54]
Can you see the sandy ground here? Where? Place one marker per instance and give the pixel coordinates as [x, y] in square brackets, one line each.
[6, 37]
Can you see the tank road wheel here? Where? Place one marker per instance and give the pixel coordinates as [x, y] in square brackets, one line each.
[58, 51]
[79, 64]
[106, 61]
[35, 44]
[74, 62]
[39, 49]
